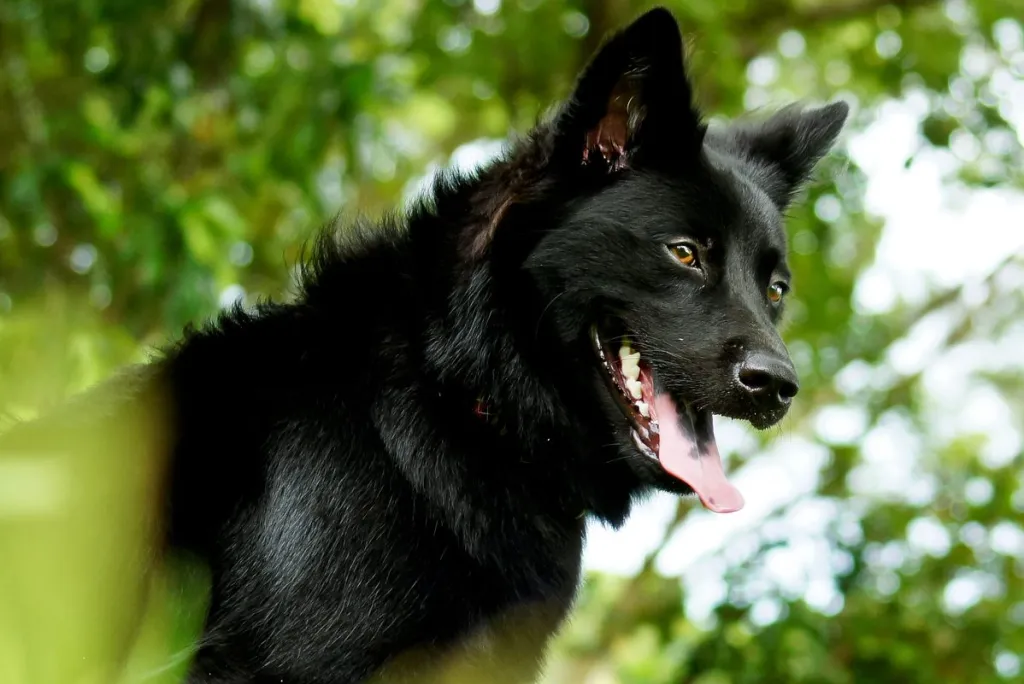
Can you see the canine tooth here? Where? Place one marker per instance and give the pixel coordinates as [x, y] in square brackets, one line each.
[635, 388]
[626, 349]
[644, 409]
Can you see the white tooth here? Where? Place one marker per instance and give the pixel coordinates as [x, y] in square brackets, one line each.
[625, 350]
[644, 409]
[635, 388]
[630, 362]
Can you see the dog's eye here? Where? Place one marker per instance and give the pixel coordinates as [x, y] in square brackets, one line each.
[685, 253]
[776, 291]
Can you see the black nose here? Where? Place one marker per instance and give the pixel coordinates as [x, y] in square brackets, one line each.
[769, 379]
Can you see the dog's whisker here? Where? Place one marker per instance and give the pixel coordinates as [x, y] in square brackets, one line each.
[540, 319]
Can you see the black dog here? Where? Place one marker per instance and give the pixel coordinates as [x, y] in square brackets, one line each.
[389, 477]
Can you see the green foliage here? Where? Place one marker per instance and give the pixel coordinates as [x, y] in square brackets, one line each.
[158, 159]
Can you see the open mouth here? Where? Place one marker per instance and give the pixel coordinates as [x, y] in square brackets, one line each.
[682, 441]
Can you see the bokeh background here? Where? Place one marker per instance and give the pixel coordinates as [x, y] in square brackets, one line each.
[160, 160]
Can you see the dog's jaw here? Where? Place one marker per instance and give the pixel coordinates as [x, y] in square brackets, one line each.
[683, 442]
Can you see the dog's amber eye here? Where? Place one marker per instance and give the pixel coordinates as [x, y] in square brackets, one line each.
[686, 254]
[776, 291]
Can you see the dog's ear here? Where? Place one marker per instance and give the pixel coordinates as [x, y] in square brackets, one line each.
[632, 104]
[790, 143]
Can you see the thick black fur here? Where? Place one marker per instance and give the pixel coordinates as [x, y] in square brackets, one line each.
[390, 476]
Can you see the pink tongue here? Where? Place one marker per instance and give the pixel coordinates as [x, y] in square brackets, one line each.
[695, 462]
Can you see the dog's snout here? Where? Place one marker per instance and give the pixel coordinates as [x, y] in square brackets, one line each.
[767, 378]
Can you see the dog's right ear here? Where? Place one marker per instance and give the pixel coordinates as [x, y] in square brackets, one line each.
[632, 104]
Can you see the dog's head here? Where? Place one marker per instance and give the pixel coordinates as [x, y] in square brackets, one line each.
[658, 249]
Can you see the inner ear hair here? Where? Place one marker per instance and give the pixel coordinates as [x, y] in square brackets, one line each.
[610, 139]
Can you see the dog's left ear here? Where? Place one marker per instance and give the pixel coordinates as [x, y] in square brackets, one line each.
[632, 104]
[790, 143]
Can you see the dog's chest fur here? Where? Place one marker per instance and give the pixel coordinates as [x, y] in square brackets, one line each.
[349, 566]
